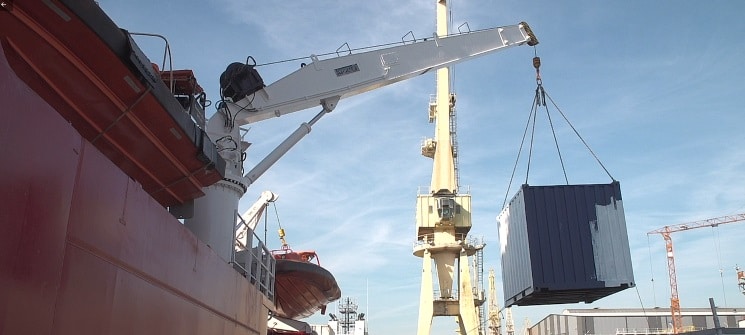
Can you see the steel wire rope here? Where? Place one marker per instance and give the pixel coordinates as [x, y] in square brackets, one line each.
[644, 310]
[718, 249]
[537, 101]
[266, 230]
[266, 222]
[376, 46]
[580, 137]
[276, 214]
[534, 111]
[540, 100]
[651, 271]
[331, 53]
[519, 152]
[553, 131]
[638, 295]
[281, 231]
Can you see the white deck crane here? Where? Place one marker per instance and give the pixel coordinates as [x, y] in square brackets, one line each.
[322, 82]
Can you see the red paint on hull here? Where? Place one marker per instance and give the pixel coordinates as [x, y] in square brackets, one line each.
[85, 249]
[75, 71]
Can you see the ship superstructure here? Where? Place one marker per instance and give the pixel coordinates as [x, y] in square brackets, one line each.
[345, 320]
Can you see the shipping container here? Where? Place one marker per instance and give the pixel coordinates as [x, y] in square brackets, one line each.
[564, 244]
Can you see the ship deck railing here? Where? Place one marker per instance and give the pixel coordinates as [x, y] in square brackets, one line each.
[255, 262]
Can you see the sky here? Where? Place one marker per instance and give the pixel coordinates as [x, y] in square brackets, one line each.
[654, 87]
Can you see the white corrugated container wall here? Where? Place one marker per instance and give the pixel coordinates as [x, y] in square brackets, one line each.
[513, 239]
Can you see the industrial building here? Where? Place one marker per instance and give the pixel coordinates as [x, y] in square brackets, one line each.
[636, 321]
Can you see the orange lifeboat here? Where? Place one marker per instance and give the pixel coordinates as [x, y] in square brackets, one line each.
[302, 287]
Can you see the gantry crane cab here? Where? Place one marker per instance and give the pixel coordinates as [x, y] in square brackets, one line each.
[446, 208]
[443, 211]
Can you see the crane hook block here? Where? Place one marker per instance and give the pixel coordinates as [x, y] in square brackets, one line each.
[536, 62]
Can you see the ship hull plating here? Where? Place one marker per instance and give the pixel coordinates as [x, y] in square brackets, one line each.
[86, 250]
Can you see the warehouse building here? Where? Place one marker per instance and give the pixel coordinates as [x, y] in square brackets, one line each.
[653, 321]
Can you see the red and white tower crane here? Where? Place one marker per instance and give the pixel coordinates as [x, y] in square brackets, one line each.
[740, 279]
[665, 232]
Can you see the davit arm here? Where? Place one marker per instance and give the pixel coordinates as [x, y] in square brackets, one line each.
[247, 223]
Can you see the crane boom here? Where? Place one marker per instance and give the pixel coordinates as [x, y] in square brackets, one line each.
[700, 224]
[665, 231]
[322, 83]
[353, 74]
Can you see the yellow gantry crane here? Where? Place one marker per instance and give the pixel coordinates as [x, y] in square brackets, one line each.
[443, 216]
[510, 326]
[495, 321]
[665, 232]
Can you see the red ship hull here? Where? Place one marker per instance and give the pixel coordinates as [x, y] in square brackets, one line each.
[85, 250]
[87, 244]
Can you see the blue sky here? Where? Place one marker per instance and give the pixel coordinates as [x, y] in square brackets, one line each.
[654, 87]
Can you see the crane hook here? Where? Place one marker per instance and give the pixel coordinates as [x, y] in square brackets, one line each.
[540, 94]
[537, 66]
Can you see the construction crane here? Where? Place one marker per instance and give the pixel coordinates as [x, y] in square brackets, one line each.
[665, 232]
[495, 322]
[510, 326]
[526, 327]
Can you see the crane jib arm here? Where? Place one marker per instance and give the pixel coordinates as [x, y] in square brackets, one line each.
[352, 74]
